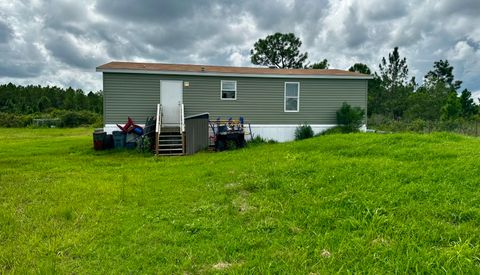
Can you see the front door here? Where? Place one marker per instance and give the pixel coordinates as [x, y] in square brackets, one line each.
[171, 96]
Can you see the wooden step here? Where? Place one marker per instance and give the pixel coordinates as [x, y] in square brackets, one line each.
[170, 149]
[171, 145]
[170, 141]
[170, 129]
[170, 135]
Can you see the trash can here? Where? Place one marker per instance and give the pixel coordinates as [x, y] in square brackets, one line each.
[131, 141]
[118, 139]
[99, 140]
[108, 142]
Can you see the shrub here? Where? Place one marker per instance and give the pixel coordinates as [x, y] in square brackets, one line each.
[351, 118]
[451, 125]
[76, 118]
[56, 117]
[303, 131]
[10, 120]
[418, 125]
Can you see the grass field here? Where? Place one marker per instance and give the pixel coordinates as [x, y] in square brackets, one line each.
[338, 203]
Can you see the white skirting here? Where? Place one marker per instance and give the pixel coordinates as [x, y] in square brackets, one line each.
[282, 133]
[278, 132]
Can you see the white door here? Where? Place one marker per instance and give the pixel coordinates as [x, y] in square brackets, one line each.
[171, 97]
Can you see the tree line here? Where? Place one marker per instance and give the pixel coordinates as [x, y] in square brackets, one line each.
[21, 105]
[32, 99]
[394, 98]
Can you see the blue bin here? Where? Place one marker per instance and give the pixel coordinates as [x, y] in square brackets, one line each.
[118, 139]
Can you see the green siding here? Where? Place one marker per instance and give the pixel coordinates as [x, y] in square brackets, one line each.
[259, 100]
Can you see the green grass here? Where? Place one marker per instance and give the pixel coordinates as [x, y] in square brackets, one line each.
[356, 202]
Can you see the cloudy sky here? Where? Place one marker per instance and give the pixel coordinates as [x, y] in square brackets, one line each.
[60, 42]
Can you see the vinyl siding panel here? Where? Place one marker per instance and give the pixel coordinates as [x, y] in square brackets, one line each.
[259, 100]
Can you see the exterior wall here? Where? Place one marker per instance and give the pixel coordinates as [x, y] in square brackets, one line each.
[259, 100]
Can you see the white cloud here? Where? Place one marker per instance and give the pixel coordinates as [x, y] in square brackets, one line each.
[461, 51]
[61, 41]
[476, 96]
[237, 59]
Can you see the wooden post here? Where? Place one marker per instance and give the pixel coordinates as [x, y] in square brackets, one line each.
[184, 143]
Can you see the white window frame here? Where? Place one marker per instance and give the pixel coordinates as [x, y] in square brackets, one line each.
[221, 90]
[285, 98]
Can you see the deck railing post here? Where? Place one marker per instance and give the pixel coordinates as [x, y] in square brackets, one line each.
[182, 118]
[158, 126]
[182, 126]
[157, 118]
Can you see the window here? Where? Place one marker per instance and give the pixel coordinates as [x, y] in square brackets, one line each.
[292, 96]
[228, 90]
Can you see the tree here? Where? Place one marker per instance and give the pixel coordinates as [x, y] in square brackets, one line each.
[376, 93]
[434, 99]
[442, 72]
[44, 103]
[360, 68]
[452, 108]
[320, 65]
[279, 50]
[469, 109]
[95, 102]
[394, 73]
[350, 118]
[394, 88]
[31, 99]
[426, 102]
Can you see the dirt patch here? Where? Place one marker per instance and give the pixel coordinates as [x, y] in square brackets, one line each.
[326, 254]
[221, 266]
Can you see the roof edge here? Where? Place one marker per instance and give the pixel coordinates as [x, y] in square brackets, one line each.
[165, 72]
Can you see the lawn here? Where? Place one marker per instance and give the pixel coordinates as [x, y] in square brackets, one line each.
[338, 203]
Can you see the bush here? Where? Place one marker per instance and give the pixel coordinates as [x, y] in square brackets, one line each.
[418, 125]
[458, 125]
[350, 117]
[10, 120]
[451, 125]
[77, 118]
[303, 131]
[61, 118]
